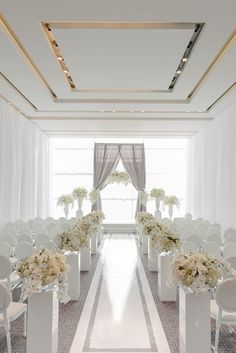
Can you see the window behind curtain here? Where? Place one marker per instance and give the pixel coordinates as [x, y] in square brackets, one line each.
[72, 166]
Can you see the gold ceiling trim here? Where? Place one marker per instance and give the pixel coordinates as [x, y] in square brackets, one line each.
[214, 62]
[50, 25]
[221, 96]
[25, 54]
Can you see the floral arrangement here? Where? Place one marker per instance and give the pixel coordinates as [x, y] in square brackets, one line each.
[64, 200]
[198, 271]
[119, 177]
[171, 200]
[152, 228]
[44, 268]
[94, 196]
[97, 217]
[68, 241]
[156, 193]
[166, 241]
[79, 193]
[143, 197]
[86, 225]
[143, 217]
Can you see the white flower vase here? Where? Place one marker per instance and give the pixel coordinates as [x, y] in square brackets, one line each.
[42, 323]
[158, 212]
[66, 211]
[170, 211]
[79, 213]
[152, 257]
[166, 291]
[194, 322]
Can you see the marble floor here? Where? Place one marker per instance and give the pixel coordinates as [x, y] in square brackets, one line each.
[119, 314]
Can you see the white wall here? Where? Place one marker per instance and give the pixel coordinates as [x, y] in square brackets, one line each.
[211, 180]
[23, 167]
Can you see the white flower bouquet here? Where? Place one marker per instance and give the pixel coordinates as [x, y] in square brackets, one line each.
[119, 177]
[44, 268]
[172, 200]
[64, 200]
[166, 241]
[79, 193]
[143, 217]
[156, 193]
[198, 271]
[143, 197]
[94, 196]
[97, 217]
[68, 241]
[152, 228]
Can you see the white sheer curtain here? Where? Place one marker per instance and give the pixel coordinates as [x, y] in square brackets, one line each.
[211, 177]
[24, 167]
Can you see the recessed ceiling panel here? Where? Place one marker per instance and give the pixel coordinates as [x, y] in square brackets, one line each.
[122, 59]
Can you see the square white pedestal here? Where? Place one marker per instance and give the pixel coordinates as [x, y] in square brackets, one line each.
[152, 257]
[94, 244]
[42, 323]
[166, 291]
[99, 235]
[145, 245]
[85, 259]
[74, 275]
[194, 322]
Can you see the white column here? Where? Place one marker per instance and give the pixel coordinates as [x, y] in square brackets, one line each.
[94, 244]
[73, 260]
[166, 291]
[152, 257]
[145, 244]
[194, 322]
[42, 330]
[85, 259]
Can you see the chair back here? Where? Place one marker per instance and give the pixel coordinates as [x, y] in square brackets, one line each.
[216, 238]
[25, 238]
[226, 294]
[8, 238]
[189, 246]
[230, 239]
[229, 250]
[49, 245]
[195, 238]
[232, 261]
[5, 298]
[5, 267]
[229, 231]
[40, 239]
[212, 249]
[5, 249]
[23, 250]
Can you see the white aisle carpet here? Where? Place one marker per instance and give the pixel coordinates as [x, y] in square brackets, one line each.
[119, 314]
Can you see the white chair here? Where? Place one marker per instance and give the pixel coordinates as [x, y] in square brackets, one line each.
[216, 238]
[186, 230]
[195, 238]
[229, 250]
[9, 230]
[10, 311]
[212, 249]
[5, 272]
[50, 245]
[232, 261]
[216, 226]
[54, 231]
[231, 238]
[229, 231]
[25, 238]
[8, 239]
[189, 246]
[5, 249]
[65, 226]
[213, 231]
[201, 229]
[188, 216]
[25, 230]
[223, 308]
[40, 230]
[23, 250]
[50, 226]
[40, 239]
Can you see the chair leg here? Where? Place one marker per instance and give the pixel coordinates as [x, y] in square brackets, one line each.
[218, 325]
[25, 324]
[7, 330]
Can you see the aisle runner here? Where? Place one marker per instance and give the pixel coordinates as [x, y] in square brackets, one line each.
[119, 313]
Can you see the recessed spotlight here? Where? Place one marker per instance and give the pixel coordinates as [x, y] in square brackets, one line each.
[199, 111]
[113, 111]
[65, 71]
[131, 111]
[102, 111]
[184, 59]
[143, 111]
[60, 58]
[178, 72]
[187, 111]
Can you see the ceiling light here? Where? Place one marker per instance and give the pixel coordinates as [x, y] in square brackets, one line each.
[113, 111]
[131, 111]
[102, 111]
[143, 111]
[66, 71]
[60, 58]
[178, 72]
[184, 59]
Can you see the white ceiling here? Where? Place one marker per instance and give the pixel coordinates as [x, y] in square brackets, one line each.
[121, 56]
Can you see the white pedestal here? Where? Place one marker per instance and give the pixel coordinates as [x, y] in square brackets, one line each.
[152, 257]
[145, 244]
[74, 275]
[140, 235]
[194, 322]
[99, 235]
[166, 291]
[94, 244]
[158, 215]
[79, 214]
[85, 259]
[42, 330]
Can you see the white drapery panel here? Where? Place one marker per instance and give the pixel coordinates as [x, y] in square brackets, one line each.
[106, 158]
[211, 177]
[24, 180]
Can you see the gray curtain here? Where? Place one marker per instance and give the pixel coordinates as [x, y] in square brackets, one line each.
[133, 159]
[106, 158]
